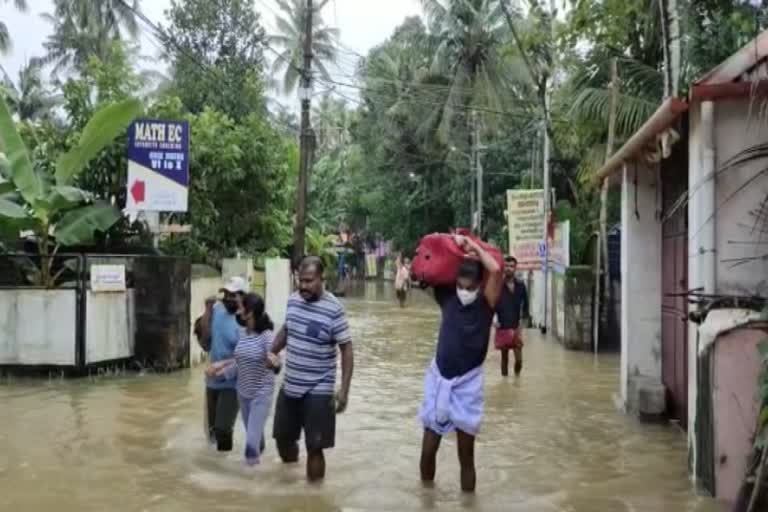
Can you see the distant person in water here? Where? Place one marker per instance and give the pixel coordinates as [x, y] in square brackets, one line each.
[315, 330]
[512, 308]
[219, 323]
[453, 387]
[402, 279]
[255, 381]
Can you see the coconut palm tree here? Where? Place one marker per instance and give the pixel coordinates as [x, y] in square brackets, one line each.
[5, 37]
[472, 41]
[30, 100]
[84, 28]
[332, 120]
[291, 39]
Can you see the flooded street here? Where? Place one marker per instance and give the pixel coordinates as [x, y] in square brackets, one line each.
[551, 441]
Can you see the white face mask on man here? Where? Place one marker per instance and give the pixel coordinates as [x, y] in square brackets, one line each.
[467, 297]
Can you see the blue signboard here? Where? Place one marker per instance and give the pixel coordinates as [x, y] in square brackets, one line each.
[158, 165]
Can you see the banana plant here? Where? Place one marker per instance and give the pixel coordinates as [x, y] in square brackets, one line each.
[58, 213]
[320, 244]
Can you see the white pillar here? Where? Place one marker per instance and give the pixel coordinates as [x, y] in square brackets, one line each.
[702, 255]
[238, 267]
[278, 288]
[640, 283]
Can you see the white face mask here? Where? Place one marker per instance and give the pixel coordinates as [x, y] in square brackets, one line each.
[467, 297]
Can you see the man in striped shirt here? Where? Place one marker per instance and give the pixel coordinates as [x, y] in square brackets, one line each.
[315, 325]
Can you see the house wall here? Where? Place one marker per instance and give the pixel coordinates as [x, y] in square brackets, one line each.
[736, 369]
[740, 124]
[641, 283]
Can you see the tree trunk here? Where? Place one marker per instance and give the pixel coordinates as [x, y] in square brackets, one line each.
[602, 268]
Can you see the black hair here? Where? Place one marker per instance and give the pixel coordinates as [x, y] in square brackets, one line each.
[510, 259]
[310, 261]
[471, 269]
[254, 304]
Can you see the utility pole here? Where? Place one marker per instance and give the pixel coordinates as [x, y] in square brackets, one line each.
[306, 141]
[479, 195]
[547, 207]
[602, 269]
[479, 177]
[547, 193]
[472, 170]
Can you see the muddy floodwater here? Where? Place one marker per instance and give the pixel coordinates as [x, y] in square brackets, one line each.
[552, 440]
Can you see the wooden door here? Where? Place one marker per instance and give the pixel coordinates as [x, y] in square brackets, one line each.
[674, 305]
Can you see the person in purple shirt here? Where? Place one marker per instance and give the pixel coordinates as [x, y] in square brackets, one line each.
[453, 387]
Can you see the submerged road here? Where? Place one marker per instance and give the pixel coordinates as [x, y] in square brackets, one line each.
[552, 440]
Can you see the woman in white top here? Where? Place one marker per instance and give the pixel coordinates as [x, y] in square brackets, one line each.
[255, 381]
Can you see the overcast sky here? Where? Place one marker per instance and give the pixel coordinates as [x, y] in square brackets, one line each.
[363, 24]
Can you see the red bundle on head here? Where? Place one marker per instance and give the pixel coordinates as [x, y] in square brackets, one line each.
[438, 258]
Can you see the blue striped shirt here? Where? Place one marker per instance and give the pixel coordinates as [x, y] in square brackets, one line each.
[254, 379]
[313, 330]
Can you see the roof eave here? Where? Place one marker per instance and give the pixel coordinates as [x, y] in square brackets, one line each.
[665, 115]
[739, 63]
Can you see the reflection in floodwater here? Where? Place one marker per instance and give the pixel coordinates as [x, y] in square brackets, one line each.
[551, 441]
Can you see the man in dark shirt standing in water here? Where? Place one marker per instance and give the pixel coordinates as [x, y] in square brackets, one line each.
[513, 306]
[453, 387]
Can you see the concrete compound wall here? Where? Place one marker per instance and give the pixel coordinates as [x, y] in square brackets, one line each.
[536, 297]
[278, 287]
[38, 327]
[578, 284]
[206, 282]
[641, 283]
[109, 326]
[736, 370]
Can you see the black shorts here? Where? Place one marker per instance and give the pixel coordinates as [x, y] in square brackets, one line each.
[315, 414]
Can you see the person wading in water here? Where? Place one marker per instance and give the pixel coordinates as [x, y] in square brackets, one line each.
[453, 387]
[255, 381]
[402, 279]
[315, 325]
[220, 325]
[513, 306]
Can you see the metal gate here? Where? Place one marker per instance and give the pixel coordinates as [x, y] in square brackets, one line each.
[674, 305]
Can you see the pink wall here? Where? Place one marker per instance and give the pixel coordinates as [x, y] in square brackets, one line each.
[736, 371]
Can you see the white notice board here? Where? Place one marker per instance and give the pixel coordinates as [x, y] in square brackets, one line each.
[107, 278]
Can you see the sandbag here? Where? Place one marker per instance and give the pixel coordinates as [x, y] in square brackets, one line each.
[437, 258]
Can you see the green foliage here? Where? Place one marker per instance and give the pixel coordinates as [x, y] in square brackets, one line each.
[101, 83]
[761, 434]
[58, 214]
[319, 244]
[83, 29]
[30, 100]
[238, 198]
[715, 30]
[105, 125]
[216, 56]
